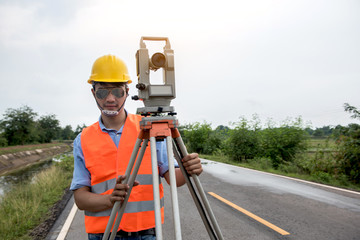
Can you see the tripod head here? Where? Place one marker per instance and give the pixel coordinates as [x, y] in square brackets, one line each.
[156, 97]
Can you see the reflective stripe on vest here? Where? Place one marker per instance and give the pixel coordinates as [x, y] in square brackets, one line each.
[131, 207]
[105, 162]
[144, 179]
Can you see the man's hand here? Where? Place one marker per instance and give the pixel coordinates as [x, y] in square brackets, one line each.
[120, 190]
[192, 164]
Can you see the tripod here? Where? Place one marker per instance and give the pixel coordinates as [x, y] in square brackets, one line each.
[158, 128]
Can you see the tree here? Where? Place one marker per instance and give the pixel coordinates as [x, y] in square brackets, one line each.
[79, 129]
[222, 132]
[353, 110]
[3, 140]
[349, 146]
[18, 126]
[319, 132]
[244, 140]
[67, 133]
[200, 138]
[281, 144]
[349, 152]
[338, 131]
[49, 128]
[309, 131]
[328, 130]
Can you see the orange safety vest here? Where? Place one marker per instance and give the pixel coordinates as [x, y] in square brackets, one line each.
[105, 163]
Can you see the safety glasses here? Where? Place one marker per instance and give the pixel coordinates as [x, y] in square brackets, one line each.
[102, 93]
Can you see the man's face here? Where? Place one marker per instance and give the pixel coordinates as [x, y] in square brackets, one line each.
[110, 96]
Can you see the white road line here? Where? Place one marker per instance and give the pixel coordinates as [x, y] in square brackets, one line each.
[295, 179]
[67, 224]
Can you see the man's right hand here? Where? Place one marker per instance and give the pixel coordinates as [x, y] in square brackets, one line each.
[120, 190]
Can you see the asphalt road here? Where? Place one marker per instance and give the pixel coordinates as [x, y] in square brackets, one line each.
[265, 206]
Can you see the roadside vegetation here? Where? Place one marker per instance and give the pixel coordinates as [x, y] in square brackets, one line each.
[328, 155]
[22, 126]
[27, 204]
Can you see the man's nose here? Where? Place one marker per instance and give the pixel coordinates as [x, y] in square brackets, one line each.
[110, 97]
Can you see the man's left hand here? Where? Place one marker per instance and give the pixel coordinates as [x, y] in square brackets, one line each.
[192, 164]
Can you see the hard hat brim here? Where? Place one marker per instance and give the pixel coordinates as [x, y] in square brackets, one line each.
[108, 80]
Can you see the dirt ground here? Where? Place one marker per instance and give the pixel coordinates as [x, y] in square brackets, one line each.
[42, 230]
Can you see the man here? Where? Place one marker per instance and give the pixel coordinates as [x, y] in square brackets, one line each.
[101, 155]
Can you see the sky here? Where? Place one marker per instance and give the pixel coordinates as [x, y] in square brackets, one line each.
[275, 59]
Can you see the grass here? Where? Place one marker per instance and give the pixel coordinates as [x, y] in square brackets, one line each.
[307, 166]
[21, 148]
[324, 144]
[27, 204]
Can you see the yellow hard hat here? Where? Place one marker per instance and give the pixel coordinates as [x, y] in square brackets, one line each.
[109, 68]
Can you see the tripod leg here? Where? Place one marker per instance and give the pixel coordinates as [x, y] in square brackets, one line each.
[155, 177]
[195, 196]
[174, 197]
[131, 183]
[116, 206]
[184, 152]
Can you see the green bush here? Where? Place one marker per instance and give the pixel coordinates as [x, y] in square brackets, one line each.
[289, 167]
[243, 144]
[3, 141]
[66, 163]
[201, 138]
[349, 152]
[322, 177]
[281, 144]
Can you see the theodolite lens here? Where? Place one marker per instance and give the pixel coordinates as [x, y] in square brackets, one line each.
[158, 60]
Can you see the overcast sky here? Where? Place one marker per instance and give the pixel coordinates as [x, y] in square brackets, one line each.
[278, 59]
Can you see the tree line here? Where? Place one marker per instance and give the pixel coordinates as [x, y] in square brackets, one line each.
[245, 140]
[283, 144]
[23, 126]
